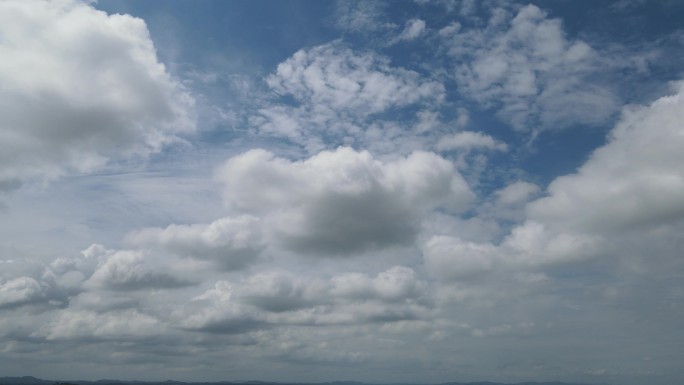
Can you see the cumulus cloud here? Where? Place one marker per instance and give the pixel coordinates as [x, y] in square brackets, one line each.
[70, 268]
[516, 193]
[279, 291]
[449, 258]
[232, 242]
[98, 268]
[126, 270]
[524, 67]
[393, 285]
[282, 291]
[216, 311]
[634, 180]
[629, 190]
[278, 298]
[342, 202]
[66, 279]
[508, 203]
[20, 291]
[350, 255]
[97, 83]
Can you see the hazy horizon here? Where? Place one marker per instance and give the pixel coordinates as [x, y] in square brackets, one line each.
[379, 191]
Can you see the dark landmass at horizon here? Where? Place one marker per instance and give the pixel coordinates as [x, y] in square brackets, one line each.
[29, 380]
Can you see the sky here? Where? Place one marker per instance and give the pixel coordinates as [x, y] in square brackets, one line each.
[403, 191]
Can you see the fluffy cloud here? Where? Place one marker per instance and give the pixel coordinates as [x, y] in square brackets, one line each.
[115, 270]
[336, 256]
[516, 193]
[216, 311]
[339, 78]
[20, 291]
[278, 298]
[452, 258]
[634, 180]
[96, 81]
[342, 202]
[525, 68]
[624, 201]
[232, 243]
[335, 91]
[279, 291]
[393, 285]
[127, 270]
[507, 205]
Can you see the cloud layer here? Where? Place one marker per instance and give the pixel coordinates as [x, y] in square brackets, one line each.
[416, 192]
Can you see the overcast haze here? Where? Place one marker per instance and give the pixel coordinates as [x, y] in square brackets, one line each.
[404, 191]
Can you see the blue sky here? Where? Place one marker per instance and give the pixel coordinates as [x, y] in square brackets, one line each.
[404, 191]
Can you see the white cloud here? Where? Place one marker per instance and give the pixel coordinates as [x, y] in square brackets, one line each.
[413, 29]
[341, 79]
[450, 258]
[232, 242]
[634, 180]
[537, 244]
[98, 268]
[96, 81]
[337, 91]
[127, 270]
[279, 291]
[509, 202]
[624, 201]
[516, 193]
[469, 140]
[525, 68]
[342, 202]
[278, 298]
[20, 291]
[216, 311]
[384, 259]
[395, 284]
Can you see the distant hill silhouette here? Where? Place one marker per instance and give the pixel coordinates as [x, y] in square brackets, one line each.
[28, 380]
